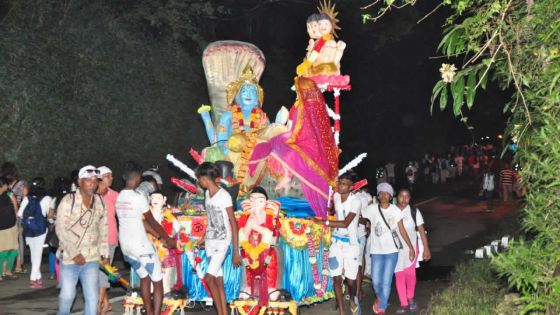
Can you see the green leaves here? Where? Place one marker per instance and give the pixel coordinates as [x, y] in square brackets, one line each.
[463, 89]
[458, 91]
[471, 92]
[443, 98]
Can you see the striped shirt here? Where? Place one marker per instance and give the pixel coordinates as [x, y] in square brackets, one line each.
[507, 177]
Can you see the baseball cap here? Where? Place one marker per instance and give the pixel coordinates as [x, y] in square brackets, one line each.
[88, 171]
[104, 170]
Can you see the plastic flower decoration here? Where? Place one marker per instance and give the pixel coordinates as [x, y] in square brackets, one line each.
[447, 72]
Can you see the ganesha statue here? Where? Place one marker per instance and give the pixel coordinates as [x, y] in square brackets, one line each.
[258, 233]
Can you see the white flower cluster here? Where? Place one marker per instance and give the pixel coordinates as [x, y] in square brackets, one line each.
[447, 72]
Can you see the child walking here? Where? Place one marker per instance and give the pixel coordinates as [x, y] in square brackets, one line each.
[220, 232]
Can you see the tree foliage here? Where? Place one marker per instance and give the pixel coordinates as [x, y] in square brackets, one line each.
[99, 81]
[516, 43]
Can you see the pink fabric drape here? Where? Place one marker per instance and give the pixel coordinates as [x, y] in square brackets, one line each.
[308, 150]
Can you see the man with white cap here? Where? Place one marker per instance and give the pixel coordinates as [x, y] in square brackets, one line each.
[110, 198]
[385, 219]
[81, 227]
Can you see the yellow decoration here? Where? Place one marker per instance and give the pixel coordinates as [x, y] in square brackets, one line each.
[253, 251]
[303, 67]
[240, 306]
[204, 108]
[247, 77]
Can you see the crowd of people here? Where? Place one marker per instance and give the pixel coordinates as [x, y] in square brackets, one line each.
[84, 220]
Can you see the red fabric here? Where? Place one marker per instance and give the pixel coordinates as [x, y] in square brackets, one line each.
[319, 44]
[267, 274]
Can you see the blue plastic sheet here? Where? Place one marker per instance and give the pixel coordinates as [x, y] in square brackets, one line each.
[232, 277]
[298, 273]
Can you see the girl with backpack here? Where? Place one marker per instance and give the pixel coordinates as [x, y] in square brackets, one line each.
[405, 270]
[33, 213]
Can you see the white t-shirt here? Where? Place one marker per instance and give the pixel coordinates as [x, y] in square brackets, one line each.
[381, 238]
[130, 207]
[410, 228]
[488, 182]
[365, 199]
[352, 204]
[218, 228]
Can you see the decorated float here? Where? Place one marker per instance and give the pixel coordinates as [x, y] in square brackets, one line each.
[291, 162]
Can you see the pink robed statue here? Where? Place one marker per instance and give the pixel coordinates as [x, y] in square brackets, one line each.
[307, 151]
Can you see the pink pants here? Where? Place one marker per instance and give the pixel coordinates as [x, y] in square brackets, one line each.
[405, 281]
[406, 284]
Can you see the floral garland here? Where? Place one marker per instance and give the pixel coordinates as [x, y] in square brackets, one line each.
[238, 124]
[292, 231]
[312, 248]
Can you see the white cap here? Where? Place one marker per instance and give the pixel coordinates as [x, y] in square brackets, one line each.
[104, 170]
[155, 175]
[88, 171]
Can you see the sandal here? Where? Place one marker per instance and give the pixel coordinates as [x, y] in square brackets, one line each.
[401, 310]
[10, 277]
[375, 306]
[357, 310]
[21, 271]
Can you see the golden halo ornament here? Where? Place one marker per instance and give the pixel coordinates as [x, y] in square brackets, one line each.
[247, 77]
[328, 8]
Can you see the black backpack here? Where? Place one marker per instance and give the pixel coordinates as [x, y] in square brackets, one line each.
[413, 211]
[34, 222]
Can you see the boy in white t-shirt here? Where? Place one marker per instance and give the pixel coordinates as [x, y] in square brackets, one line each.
[135, 219]
[344, 254]
[220, 232]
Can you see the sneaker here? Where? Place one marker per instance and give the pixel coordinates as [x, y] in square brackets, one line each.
[413, 307]
[401, 310]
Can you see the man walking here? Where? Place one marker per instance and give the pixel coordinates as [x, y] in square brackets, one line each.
[81, 227]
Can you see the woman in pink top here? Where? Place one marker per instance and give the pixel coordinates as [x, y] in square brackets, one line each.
[109, 198]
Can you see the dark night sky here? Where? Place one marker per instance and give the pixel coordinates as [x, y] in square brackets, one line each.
[387, 112]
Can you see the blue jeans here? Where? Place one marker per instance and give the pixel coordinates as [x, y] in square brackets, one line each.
[382, 270]
[52, 262]
[88, 274]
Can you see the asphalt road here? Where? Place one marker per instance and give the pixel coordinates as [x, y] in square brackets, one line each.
[455, 219]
